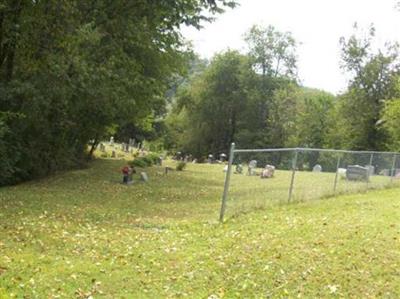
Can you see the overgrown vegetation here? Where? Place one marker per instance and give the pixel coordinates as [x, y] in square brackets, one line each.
[72, 71]
[146, 161]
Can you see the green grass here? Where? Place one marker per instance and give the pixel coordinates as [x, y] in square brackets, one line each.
[83, 233]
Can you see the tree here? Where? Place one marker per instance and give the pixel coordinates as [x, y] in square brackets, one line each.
[374, 76]
[272, 51]
[70, 69]
[209, 109]
[391, 123]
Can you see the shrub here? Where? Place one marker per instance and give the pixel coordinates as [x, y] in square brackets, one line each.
[155, 158]
[139, 162]
[146, 161]
[181, 165]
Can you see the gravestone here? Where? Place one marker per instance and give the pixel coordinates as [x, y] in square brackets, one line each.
[168, 169]
[102, 147]
[371, 170]
[210, 159]
[317, 168]
[357, 173]
[268, 172]
[144, 177]
[131, 142]
[239, 169]
[226, 168]
[113, 154]
[122, 146]
[111, 140]
[222, 157]
[251, 170]
[342, 172]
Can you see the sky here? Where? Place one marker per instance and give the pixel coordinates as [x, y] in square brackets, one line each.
[316, 24]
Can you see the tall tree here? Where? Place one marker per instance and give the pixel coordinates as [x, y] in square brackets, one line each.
[70, 69]
[373, 78]
[273, 52]
[211, 106]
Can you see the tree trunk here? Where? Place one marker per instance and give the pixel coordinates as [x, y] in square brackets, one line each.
[93, 148]
[10, 48]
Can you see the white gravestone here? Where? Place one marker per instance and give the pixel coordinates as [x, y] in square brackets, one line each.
[317, 168]
[251, 170]
[144, 177]
[268, 172]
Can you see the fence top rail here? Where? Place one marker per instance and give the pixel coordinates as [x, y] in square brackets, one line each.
[300, 149]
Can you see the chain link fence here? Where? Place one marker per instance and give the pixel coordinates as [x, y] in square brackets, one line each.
[258, 178]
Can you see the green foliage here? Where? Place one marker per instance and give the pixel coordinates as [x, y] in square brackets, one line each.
[181, 166]
[146, 161]
[391, 123]
[272, 52]
[76, 71]
[374, 81]
[154, 158]
[234, 97]
[140, 162]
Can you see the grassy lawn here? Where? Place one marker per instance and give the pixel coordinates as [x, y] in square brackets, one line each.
[83, 234]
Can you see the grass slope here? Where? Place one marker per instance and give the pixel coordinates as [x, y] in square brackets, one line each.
[83, 234]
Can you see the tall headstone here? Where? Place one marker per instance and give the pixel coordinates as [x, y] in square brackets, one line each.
[112, 140]
[144, 177]
[251, 170]
[222, 157]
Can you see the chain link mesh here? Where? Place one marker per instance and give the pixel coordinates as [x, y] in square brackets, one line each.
[304, 174]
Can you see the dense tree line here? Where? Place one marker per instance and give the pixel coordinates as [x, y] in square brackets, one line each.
[255, 100]
[72, 70]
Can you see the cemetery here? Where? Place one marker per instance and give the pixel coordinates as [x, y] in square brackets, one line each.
[148, 234]
[150, 149]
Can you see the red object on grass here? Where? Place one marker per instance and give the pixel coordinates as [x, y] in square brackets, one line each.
[125, 170]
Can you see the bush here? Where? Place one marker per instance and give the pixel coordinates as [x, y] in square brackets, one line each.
[155, 158]
[181, 165]
[148, 160]
[139, 162]
[145, 161]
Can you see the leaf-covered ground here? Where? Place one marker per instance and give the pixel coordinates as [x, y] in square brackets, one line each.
[83, 234]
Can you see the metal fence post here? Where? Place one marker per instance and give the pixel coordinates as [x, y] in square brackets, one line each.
[227, 180]
[393, 172]
[294, 164]
[337, 175]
